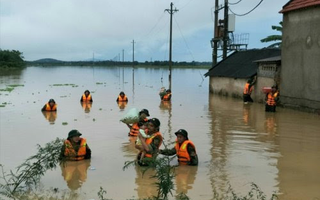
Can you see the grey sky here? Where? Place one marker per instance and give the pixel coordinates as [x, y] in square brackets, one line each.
[78, 29]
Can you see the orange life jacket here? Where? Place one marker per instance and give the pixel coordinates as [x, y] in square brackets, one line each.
[182, 152]
[166, 97]
[86, 98]
[271, 99]
[122, 99]
[49, 108]
[149, 141]
[246, 89]
[71, 154]
[134, 130]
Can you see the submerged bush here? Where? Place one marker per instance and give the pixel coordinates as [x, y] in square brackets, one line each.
[28, 174]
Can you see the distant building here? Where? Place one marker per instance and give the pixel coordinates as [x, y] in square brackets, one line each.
[229, 76]
[300, 73]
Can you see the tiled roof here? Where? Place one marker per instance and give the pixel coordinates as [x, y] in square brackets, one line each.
[271, 59]
[299, 4]
[241, 64]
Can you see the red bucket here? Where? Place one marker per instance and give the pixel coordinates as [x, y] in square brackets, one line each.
[266, 90]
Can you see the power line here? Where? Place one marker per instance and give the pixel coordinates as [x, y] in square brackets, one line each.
[240, 15]
[235, 3]
[184, 39]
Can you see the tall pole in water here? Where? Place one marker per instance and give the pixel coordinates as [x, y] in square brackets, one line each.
[133, 70]
[225, 26]
[215, 36]
[171, 11]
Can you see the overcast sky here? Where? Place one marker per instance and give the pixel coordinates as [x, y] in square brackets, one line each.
[82, 29]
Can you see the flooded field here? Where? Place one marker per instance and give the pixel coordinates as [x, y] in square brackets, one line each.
[237, 144]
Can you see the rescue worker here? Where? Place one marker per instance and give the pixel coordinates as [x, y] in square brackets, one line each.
[134, 128]
[51, 106]
[167, 96]
[248, 90]
[75, 148]
[122, 97]
[272, 99]
[86, 97]
[184, 149]
[150, 145]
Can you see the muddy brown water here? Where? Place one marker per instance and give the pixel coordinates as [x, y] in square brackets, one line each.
[237, 144]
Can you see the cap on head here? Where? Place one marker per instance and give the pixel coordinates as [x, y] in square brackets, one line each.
[155, 122]
[145, 111]
[73, 133]
[121, 93]
[182, 132]
[87, 91]
[51, 100]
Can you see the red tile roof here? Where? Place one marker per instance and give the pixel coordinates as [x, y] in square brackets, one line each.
[299, 4]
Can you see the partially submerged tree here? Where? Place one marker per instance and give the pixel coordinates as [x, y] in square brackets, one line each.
[274, 38]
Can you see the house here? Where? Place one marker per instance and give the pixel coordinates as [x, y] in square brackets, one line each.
[300, 73]
[229, 76]
[268, 74]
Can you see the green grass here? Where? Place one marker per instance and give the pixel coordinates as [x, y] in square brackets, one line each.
[8, 89]
[15, 85]
[66, 84]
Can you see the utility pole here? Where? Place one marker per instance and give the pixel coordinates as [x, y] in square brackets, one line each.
[122, 55]
[171, 11]
[133, 52]
[225, 26]
[215, 37]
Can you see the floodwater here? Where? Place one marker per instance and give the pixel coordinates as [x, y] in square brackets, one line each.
[237, 144]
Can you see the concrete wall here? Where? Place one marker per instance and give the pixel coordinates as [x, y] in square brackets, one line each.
[300, 73]
[227, 86]
[234, 87]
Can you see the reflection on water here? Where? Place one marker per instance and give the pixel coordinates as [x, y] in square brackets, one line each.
[50, 116]
[86, 106]
[75, 172]
[184, 178]
[122, 105]
[145, 186]
[237, 144]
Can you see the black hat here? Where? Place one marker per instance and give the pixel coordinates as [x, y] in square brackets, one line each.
[182, 132]
[87, 91]
[145, 111]
[155, 122]
[73, 133]
[51, 100]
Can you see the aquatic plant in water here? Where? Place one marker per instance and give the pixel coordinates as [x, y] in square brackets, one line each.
[28, 174]
[164, 175]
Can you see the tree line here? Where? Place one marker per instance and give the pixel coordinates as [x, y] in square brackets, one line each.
[11, 59]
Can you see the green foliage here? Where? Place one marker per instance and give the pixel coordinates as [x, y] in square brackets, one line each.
[164, 175]
[11, 59]
[255, 193]
[273, 38]
[28, 174]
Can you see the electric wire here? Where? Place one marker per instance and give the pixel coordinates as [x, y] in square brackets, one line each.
[240, 15]
[184, 38]
[234, 3]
